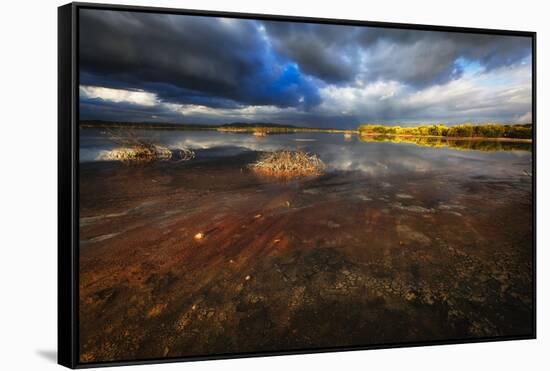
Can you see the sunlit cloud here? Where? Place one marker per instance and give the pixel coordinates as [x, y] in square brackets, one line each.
[475, 97]
[142, 98]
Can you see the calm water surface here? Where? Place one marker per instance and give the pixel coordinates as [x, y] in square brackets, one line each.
[338, 153]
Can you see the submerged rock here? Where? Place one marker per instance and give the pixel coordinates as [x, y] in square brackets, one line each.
[404, 196]
[406, 233]
[412, 208]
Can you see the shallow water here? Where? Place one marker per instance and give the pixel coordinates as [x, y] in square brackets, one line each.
[396, 242]
[338, 152]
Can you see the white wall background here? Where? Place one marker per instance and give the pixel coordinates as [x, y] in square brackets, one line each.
[28, 152]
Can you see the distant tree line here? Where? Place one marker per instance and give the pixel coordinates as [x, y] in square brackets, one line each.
[491, 130]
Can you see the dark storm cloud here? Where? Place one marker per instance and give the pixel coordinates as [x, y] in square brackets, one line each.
[325, 51]
[422, 58]
[339, 54]
[188, 60]
[176, 68]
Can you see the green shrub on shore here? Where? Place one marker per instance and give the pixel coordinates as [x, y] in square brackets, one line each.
[467, 130]
[518, 131]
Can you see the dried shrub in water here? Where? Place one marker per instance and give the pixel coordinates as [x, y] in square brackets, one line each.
[134, 149]
[288, 164]
[137, 154]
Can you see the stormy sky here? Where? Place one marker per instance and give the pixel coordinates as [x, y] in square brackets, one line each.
[144, 67]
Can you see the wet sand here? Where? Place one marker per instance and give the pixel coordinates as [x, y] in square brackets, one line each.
[338, 260]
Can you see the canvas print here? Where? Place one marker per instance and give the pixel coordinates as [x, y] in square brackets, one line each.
[252, 185]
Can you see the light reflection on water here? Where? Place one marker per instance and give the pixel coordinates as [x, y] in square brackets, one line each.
[375, 158]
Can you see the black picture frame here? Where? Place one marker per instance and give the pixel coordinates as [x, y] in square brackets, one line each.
[68, 180]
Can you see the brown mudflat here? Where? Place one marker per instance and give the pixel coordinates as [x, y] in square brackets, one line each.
[337, 260]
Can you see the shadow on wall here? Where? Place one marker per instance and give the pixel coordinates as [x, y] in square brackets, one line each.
[50, 355]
